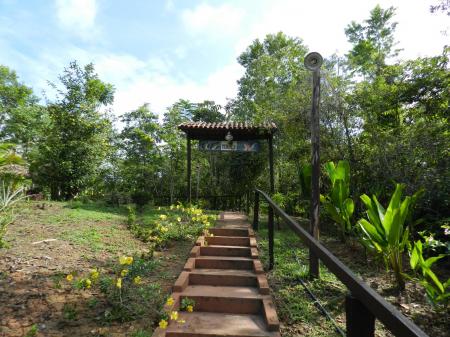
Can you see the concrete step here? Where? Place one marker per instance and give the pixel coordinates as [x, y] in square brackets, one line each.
[220, 262]
[242, 232]
[208, 324]
[222, 277]
[225, 278]
[228, 241]
[225, 251]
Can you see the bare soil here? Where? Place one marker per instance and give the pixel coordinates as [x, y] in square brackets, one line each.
[33, 289]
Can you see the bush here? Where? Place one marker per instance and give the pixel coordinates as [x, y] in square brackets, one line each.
[127, 292]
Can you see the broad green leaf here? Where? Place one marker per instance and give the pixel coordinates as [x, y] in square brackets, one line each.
[349, 206]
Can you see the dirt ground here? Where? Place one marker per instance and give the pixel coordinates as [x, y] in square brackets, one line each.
[33, 290]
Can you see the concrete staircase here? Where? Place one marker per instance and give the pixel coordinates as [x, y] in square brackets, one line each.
[225, 278]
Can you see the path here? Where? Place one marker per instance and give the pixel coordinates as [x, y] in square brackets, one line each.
[226, 280]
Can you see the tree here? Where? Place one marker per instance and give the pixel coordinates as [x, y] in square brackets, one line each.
[21, 118]
[77, 139]
[141, 156]
[373, 41]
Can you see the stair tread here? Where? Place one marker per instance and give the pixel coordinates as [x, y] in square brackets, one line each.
[218, 257]
[221, 291]
[226, 246]
[225, 272]
[220, 324]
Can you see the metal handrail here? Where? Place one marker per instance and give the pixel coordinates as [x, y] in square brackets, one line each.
[364, 300]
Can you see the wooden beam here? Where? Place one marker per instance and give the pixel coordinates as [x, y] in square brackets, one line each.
[189, 167]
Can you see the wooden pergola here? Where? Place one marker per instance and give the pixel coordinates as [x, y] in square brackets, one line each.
[222, 132]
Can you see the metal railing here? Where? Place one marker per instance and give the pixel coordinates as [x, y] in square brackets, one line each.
[363, 304]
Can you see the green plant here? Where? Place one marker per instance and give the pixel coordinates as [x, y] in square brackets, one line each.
[69, 312]
[141, 333]
[338, 204]
[384, 232]
[437, 292]
[33, 331]
[131, 216]
[127, 294]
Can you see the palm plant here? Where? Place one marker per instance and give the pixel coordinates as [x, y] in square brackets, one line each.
[338, 204]
[384, 232]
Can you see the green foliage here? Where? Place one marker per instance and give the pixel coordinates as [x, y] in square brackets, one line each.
[187, 302]
[437, 292]
[76, 141]
[384, 233]
[33, 331]
[128, 293]
[12, 186]
[372, 41]
[338, 204]
[180, 223]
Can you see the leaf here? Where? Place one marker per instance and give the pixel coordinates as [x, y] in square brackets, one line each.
[349, 206]
[371, 232]
[434, 278]
[431, 260]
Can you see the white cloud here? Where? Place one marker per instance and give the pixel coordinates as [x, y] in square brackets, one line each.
[321, 24]
[206, 19]
[77, 16]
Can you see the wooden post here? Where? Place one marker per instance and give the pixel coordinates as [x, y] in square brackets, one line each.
[256, 212]
[313, 61]
[271, 168]
[360, 321]
[271, 215]
[189, 164]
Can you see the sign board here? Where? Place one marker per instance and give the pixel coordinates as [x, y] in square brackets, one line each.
[237, 146]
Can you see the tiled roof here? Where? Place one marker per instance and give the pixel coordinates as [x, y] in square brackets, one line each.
[217, 131]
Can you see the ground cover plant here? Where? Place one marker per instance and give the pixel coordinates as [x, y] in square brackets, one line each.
[66, 281]
[297, 311]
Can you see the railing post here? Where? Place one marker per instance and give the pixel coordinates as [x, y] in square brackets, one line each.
[256, 212]
[271, 262]
[313, 61]
[360, 321]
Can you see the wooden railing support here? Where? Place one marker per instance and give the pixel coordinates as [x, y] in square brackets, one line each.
[271, 239]
[360, 321]
[256, 212]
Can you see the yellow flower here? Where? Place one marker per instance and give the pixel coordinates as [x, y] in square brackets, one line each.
[163, 217]
[94, 274]
[163, 324]
[129, 260]
[164, 229]
[124, 272]
[123, 260]
[119, 283]
[88, 283]
[137, 280]
[174, 315]
[182, 321]
[178, 206]
[170, 301]
[171, 207]
[69, 277]
[189, 308]
[179, 219]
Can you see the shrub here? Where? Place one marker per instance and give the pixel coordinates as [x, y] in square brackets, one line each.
[127, 292]
[384, 232]
[338, 204]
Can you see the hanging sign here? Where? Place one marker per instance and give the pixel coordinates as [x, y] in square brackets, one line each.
[237, 146]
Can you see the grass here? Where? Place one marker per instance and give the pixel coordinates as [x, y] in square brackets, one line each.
[84, 236]
[297, 312]
[295, 308]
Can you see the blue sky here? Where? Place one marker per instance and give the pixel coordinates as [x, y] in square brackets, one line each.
[158, 51]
